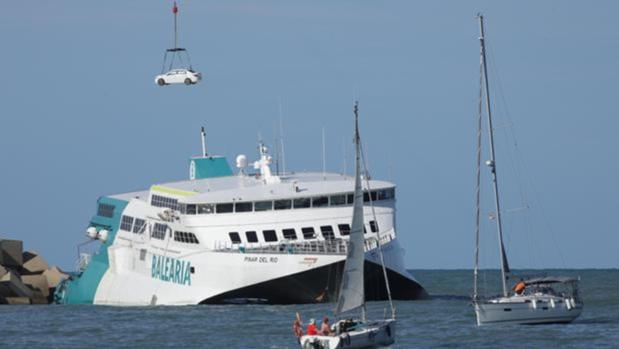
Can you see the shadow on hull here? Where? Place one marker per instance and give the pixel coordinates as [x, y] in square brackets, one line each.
[320, 285]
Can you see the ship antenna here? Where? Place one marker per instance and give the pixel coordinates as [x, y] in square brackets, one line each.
[324, 156]
[203, 138]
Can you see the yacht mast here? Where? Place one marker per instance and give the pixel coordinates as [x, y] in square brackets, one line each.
[491, 163]
[478, 173]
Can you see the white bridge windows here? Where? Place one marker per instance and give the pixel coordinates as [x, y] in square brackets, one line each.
[338, 200]
[243, 207]
[269, 235]
[224, 208]
[189, 238]
[158, 231]
[163, 201]
[206, 208]
[320, 201]
[234, 237]
[302, 203]
[308, 233]
[344, 229]
[289, 234]
[327, 232]
[251, 236]
[283, 204]
[139, 226]
[263, 205]
[126, 223]
[335, 200]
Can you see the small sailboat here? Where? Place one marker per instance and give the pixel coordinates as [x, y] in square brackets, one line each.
[355, 332]
[534, 300]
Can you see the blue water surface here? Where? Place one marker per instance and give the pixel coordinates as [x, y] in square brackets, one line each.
[446, 321]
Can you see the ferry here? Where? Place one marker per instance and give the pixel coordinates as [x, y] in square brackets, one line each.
[251, 235]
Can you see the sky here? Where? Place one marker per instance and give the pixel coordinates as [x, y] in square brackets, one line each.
[81, 116]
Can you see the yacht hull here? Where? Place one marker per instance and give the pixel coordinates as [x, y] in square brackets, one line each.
[371, 335]
[526, 313]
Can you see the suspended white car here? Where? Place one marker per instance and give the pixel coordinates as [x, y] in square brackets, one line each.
[178, 76]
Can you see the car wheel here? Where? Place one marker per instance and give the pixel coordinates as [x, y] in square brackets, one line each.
[160, 82]
[187, 81]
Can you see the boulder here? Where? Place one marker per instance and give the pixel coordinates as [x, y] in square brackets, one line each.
[11, 253]
[54, 276]
[12, 286]
[34, 263]
[37, 282]
[17, 300]
[38, 298]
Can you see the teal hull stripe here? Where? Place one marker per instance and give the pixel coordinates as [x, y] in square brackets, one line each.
[82, 289]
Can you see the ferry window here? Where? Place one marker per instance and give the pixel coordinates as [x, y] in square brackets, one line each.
[373, 226]
[251, 236]
[263, 205]
[185, 237]
[243, 207]
[337, 200]
[105, 210]
[289, 234]
[191, 209]
[206, 208]
[283, 204]
[158, 231]
[366, 196]
[139, 226]
[302, 203]
[386, 194]
[224, 208]
[235, 238]
[308, 233]
[344, 229]
[162, 201]
[182, 208]
[320, 201]
[327, 232]
[269, 235]
[126, 223]
[350, 198]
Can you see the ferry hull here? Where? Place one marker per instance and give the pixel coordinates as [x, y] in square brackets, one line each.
[208, 277]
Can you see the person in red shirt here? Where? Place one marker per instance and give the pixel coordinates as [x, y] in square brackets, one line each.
[311, 328]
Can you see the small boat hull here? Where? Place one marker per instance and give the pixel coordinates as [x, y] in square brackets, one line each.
[530, 311]
[368, 335]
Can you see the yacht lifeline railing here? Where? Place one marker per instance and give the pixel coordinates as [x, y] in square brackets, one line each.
[327, 247]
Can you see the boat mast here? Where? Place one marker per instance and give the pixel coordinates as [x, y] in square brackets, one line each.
[478, 183]
[369, 190]
[491, 163]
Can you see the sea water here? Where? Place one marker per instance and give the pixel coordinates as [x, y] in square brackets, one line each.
[445, 321]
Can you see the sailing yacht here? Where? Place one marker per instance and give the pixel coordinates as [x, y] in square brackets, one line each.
[535, 300]
[349, 332]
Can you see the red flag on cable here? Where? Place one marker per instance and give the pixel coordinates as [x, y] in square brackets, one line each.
[174, 9]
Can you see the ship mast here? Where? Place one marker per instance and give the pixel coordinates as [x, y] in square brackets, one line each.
[491, 163]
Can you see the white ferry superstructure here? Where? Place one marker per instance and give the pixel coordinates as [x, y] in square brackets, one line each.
[222, 237]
